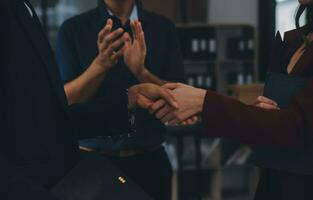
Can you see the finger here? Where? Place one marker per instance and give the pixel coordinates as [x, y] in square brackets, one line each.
[115, 45]
[169, 117]
[144, 102]
[171, 86]
[127, 39]
[195, 118]
[110, 22]
[142, 40]
[266, 100]
[113, 36]
[132, 25]
[168, 97]
[116, 55]
[173, 122]
[137, 29]
[267, 106]
[189, 121]
[114, 58]
[181, 116]
[105, 31]
[157, 106]
[164, 111]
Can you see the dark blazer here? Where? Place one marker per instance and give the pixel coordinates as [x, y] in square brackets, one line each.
[37, 145]
[287, 128]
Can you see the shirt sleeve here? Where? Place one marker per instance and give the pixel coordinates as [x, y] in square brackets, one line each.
[66, 55]
[174, 70]
[101, 117]
[287, 128]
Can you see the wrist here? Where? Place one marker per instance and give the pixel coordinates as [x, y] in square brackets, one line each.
[132, 94]
[142, 73]
[99, 67]
[200, 97]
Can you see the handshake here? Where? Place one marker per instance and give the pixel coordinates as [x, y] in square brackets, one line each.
[172, 103]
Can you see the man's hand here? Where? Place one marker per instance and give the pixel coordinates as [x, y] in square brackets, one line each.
[144, 95]
[135, 51]
[108, 44]
[189, 99]
[266, 103]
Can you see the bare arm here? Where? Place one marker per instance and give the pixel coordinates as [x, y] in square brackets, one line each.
[86, 85]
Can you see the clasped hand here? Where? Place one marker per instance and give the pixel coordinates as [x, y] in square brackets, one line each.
[173, 103]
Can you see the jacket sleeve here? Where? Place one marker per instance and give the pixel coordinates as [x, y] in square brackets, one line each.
[287, 128]
[14, 185]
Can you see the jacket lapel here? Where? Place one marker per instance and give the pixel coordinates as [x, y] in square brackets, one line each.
[42, 46]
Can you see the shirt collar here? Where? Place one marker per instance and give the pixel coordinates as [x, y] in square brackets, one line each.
[137, 12]
[29, 10]
[133, 16]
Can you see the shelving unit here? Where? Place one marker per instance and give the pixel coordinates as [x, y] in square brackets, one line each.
[215, 57]
[53, 13]
[221, 51]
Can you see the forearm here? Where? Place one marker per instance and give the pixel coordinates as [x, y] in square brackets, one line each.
[145, 76]
[226, 117]
[85, 86]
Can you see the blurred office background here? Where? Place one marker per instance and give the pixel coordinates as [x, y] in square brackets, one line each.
[226, 46]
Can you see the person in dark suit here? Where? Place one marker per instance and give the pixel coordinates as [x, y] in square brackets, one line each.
[150, 55]
[38, 142]
[286, 132]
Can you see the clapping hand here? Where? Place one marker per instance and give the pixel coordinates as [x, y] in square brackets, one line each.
[109, 43]
[135, 50]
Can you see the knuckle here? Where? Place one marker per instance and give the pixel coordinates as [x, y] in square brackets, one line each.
[106, 39]
[110, 48]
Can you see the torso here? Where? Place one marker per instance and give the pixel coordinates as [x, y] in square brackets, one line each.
[298, 55]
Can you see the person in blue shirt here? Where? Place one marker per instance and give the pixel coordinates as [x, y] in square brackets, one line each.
[103, 52]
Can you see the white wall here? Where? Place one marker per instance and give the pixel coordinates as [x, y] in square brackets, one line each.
[233, 11]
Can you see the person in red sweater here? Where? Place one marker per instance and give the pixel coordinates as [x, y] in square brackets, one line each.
[288, 130]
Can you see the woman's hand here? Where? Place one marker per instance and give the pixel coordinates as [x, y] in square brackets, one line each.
[266, 103]
[160, 108]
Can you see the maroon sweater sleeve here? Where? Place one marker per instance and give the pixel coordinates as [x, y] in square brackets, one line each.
[287, 128]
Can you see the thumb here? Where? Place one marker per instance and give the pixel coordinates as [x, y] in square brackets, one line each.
[168, 97]
[144, 102]
[171, 86]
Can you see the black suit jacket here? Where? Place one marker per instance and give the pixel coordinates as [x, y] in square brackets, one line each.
[38, 145]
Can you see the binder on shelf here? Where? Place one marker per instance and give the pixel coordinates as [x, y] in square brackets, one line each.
[198, 43]
[201, 75]
[240, 48]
